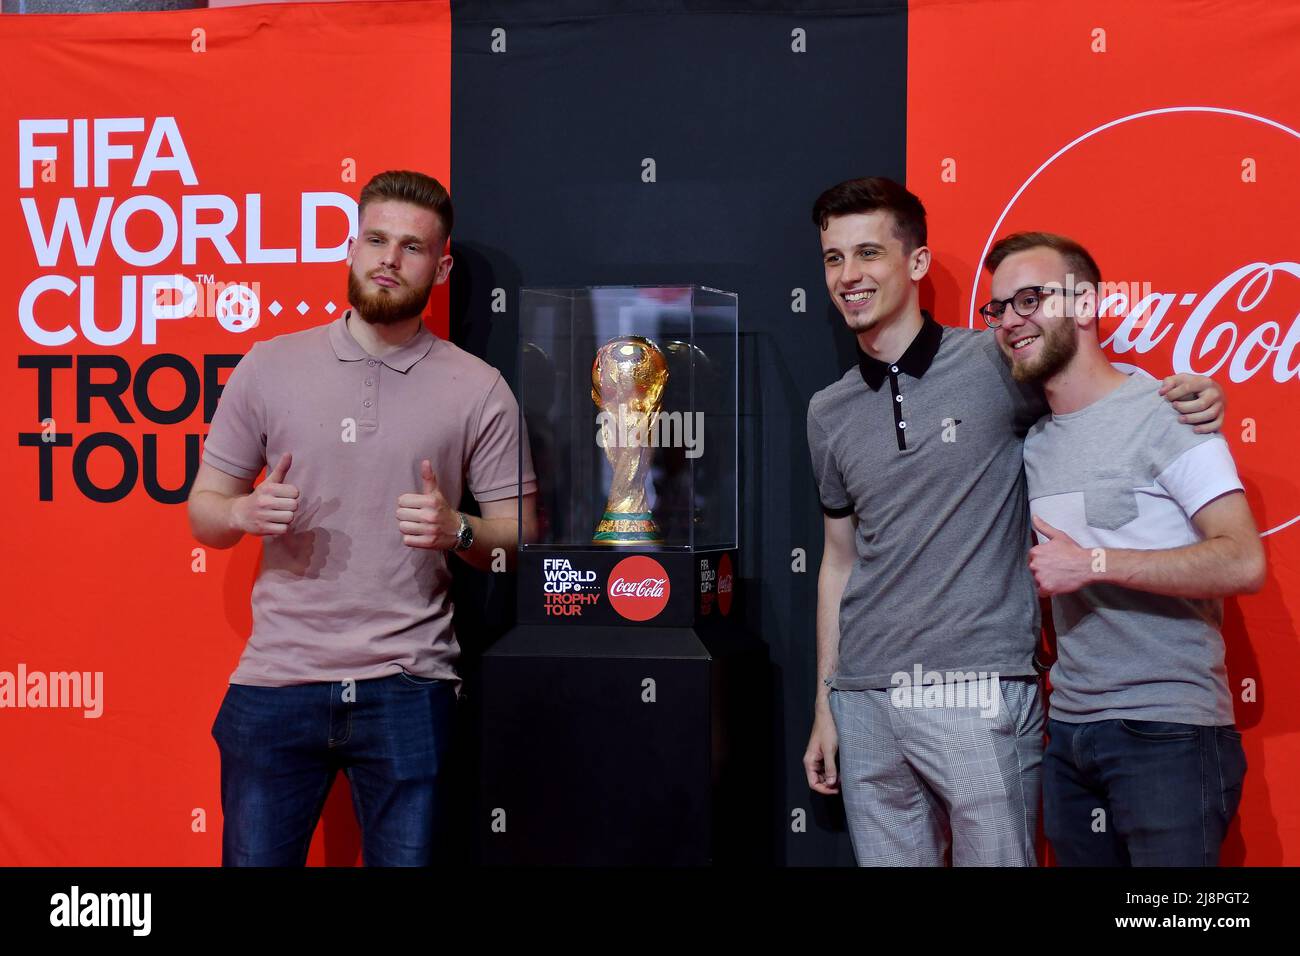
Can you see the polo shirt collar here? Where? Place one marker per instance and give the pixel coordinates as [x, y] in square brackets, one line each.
[349, 349]
[914, 361]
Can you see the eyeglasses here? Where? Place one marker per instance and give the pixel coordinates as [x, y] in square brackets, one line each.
[1026, 302]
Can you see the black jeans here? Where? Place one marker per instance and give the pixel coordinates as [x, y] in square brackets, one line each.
[1140, 792]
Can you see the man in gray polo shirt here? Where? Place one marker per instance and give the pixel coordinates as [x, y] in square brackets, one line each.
[371, 428]
[927, 617]
[1144, 529]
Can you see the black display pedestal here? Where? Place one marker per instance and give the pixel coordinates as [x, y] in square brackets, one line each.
[625, 745]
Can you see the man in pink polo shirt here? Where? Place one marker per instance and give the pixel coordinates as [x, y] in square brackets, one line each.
[371, 427]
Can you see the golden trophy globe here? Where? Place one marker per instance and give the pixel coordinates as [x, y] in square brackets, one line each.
[627, 385]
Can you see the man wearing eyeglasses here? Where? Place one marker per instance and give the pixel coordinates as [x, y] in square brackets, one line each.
[928, 716]
[1143, 529]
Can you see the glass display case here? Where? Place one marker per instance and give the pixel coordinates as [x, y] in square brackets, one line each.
[628, 396]
[627, 595]
[629, 399]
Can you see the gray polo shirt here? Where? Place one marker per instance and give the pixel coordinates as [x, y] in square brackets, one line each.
[927, 452]
[1124, 472]
[340, 596]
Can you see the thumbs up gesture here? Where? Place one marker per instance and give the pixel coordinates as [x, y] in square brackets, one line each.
[1059, 564]
[424, 517]
[270, 507]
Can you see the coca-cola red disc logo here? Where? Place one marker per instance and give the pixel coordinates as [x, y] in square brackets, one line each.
[1190, 213]
[724, 584]
[638, 588]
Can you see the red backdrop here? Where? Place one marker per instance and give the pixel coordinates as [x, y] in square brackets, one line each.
[188, 117]
[1164, 138]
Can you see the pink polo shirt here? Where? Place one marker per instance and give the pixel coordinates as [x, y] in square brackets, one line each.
[340, 596]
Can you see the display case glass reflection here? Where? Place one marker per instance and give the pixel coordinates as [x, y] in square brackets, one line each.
[628, 395]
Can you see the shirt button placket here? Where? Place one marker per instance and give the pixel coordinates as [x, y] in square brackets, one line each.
[370, 394]
[899, 423]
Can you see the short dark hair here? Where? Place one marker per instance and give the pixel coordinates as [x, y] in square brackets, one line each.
[1078, 260]
[868, 195]
[418, 189]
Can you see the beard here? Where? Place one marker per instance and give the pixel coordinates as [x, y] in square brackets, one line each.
[1059, 342]
[387, 307]
[859, 323]
[865, 322]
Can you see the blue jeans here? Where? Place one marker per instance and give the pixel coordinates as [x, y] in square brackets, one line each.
[282, 746]
[1140, 792]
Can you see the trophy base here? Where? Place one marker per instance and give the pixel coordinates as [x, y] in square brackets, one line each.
[630, 527]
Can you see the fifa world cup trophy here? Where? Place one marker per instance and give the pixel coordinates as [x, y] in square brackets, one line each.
[627, 384]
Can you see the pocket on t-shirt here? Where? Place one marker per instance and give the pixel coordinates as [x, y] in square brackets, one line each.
[1111, 503]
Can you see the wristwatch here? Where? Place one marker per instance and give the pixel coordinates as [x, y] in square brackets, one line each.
[465, 536]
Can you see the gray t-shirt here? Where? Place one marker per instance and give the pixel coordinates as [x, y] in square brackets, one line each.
[927, 453]
[1125, 473]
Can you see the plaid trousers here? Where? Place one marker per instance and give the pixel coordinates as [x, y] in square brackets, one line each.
[919, 774]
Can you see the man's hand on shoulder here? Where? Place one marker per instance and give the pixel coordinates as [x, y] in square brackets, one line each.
[1198, 399]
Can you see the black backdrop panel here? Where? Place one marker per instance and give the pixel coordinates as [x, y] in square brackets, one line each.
[748, 110]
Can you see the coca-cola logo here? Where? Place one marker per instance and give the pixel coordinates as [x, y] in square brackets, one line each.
[1189, 211]
[638, 587]
[724, 584]
[647, 587]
